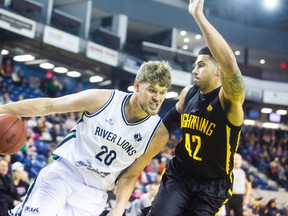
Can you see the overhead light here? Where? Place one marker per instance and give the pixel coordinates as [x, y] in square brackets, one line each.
[23, 58]
[270, 125]
[73, 74]
[4, 52]
[186, 40]
[46, 65]
[183, 33]
[94, 79]
[281, 112]
[266, 110]
[249, 122]
[60, 70]
[131, 88]
[185, 47]
[171, 94]
[270, 4]
[105, 83]
[37, 61]
[262, 61]
[237, 52]
[198, 37]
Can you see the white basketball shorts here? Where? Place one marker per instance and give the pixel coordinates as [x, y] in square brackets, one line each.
[58, 191]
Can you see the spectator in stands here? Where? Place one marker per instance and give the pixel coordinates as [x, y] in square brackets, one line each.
[70, 121]
[141, 206]
[271, 208]
[8, 193]
[57, 132]
[20, 178]
[151, 171]
[7, 69]
[8, 158]
[241, 189]
[17, 78]
[284, 211]
[45, 134]
[20, 97]
[29, 147]
[254, 207]
[5, 98]
[266, 149]
[51, 86]
[163, 163]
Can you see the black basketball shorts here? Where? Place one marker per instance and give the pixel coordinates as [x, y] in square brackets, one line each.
[183, 194]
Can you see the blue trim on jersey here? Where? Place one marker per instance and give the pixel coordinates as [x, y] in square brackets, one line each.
[124, 116]
[70, 135]
[103, 107]
[152, 135]
[81, 118]
[56, 157]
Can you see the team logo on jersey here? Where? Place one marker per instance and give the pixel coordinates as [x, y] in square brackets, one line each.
[209, 108]
[110, 121]
[89, 166]
[34, 210]
[137, 137]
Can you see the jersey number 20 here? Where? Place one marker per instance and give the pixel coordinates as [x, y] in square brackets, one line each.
[106, 156]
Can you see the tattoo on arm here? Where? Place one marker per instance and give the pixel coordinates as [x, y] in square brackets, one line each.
[233, 84]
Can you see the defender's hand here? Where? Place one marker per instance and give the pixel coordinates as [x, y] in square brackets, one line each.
[196, 7]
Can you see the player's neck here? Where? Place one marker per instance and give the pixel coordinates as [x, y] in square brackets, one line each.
[132, 111]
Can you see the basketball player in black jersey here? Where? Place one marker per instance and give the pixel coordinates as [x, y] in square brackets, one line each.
[198, 179]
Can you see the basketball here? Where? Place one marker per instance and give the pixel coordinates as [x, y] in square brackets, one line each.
[12, 134]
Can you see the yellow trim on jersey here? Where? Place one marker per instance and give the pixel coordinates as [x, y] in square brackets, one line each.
[228, 154]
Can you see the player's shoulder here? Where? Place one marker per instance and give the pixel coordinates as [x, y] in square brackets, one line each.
[182, 97]
[185, 90]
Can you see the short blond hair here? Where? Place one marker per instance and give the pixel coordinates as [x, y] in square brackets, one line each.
[155, 72]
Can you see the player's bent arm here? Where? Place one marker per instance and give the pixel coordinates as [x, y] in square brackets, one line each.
[180, 103]
[89, 100]
[248, 188]
[127, 181]
[172, 119]
[232, 93]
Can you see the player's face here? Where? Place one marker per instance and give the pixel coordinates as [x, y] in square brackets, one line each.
[203, 72]
[3, 167]
[237, 161]
[151, 97]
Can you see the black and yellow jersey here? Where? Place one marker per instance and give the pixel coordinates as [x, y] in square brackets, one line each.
[209, 140]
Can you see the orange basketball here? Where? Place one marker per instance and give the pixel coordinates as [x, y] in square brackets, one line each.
[12, 134]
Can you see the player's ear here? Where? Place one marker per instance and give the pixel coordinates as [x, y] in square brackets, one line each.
[136, 86]
[217, 70]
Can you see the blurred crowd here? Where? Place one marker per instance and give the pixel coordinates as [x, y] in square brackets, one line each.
[267, 150]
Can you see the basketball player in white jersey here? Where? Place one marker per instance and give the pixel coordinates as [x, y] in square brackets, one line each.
[116, 137]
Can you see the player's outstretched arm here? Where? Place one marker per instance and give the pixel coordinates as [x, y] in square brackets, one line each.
[218, 46]
[89, 100]
[128, 180]
[216, 43]
[232, 93]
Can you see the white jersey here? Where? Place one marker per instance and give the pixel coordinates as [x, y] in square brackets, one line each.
[239, 181]
[103, 144]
